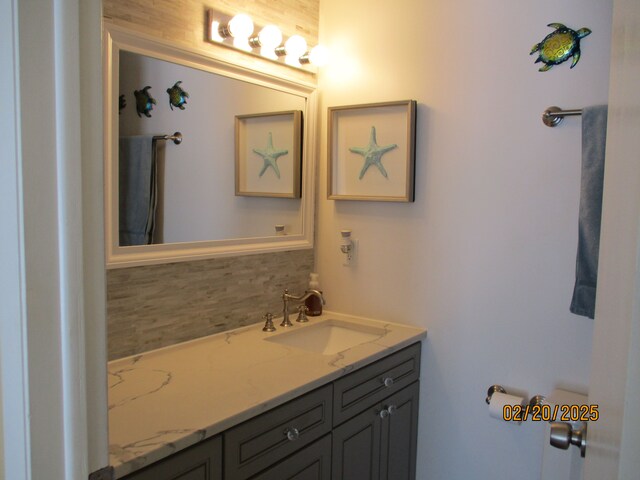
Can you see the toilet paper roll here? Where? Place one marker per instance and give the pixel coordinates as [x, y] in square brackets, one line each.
[500, 400]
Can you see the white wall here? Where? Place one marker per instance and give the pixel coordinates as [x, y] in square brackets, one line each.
[485, 256]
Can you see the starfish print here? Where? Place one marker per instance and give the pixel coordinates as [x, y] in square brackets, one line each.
[372, 154]
[270, 155]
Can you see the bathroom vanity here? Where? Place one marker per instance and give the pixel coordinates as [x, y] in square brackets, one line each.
[336, 398]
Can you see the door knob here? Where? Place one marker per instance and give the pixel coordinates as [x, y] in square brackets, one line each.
[563, 435]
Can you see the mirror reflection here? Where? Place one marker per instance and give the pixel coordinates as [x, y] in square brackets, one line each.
[189, 189]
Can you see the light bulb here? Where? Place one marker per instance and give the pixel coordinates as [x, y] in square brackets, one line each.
[295, 46]
[270, 37]
[319, 55]
[241, 26]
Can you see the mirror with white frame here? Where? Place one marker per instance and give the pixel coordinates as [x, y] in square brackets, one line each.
[200, 214]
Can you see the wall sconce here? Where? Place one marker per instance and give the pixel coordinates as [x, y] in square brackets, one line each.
[269, 40]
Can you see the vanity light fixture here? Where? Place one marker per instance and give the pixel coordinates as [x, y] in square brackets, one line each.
[318, 56]
[292, 50]
[240, 27]
[269, 39]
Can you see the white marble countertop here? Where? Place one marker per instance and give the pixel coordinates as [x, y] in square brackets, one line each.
[168, 399]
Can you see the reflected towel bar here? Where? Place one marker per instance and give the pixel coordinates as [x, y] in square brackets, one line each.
[176, 138]
[553, 116]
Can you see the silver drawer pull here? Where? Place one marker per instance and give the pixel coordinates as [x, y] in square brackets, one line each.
[292, 434]
[392, 409]
[388, 381]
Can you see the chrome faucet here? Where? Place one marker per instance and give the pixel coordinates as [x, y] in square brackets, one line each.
[286, 296]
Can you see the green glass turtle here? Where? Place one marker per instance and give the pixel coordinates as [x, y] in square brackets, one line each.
[177, 96]
[559, 46]
[144, 102]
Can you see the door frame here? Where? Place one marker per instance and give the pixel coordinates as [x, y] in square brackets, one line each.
[52, 343]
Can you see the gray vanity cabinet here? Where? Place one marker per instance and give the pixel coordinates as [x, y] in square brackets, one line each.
[202, 461]
[268, 438]
[362, 426]
[369, 385]
[310, 463]
[379, 443]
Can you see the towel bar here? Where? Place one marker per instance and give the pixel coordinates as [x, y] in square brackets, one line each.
[553, 116]
[176, 138]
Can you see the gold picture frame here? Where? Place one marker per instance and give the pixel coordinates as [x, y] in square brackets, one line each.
[371, 152]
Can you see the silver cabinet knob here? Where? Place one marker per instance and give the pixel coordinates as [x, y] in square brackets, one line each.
[563, 436]
[387, 381]
[292, 434]
[385, 412]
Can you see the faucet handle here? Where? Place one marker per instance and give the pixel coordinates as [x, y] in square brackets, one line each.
[302, 313]
[268, 323]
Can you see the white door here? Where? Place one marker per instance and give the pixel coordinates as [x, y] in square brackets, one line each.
[614, 440]
[560, 464]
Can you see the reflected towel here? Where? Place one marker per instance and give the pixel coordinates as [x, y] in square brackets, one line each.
[594, 134]
[137, 190]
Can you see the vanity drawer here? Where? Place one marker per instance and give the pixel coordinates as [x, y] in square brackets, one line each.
[262, 441]
[371, 384]
[202, 461]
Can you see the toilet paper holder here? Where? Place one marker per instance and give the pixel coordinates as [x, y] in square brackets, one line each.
[535, 400]
[562, 435]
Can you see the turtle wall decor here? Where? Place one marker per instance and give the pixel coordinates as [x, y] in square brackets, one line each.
[144, 102]
[560, 45]
[177, 96]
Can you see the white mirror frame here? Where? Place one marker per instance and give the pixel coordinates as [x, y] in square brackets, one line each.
[223, 63]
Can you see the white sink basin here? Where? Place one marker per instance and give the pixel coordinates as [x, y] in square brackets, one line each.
[329, 337]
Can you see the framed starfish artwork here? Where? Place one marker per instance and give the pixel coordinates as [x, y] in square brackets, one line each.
[269, 154]
[371, 153]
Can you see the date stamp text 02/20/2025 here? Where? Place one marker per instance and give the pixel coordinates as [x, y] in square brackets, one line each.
[550, 413]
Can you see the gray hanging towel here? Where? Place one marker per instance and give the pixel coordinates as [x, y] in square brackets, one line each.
[594, 135]
[137, 190]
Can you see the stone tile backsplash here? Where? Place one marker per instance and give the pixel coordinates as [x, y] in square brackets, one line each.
[154, 306]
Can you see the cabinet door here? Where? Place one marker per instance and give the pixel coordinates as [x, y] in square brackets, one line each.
[203, 461]
[380, 443]
[310, 463]
[399, 435]
[356, 447]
